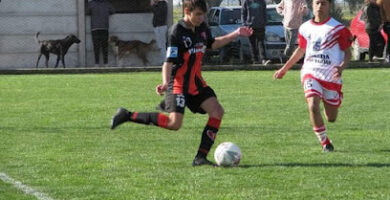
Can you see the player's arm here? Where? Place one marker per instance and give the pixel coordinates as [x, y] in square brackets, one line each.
[166, 75]
[345, 40]
[173, 54]
[226, 39]
[297, 55]
[339, 69]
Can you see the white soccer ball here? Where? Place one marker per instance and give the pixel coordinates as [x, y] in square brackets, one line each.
[227, 154]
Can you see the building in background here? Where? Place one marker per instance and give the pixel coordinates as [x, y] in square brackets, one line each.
[20, 20]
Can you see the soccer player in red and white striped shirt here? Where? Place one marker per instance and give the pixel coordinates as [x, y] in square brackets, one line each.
[325, 42]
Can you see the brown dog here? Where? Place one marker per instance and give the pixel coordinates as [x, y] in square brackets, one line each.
[121, 48]
[57, 47]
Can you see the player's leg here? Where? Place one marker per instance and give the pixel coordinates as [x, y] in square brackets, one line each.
[313, 104]
[319, 128]
[332, 101]
[215, 111]
[172, 122]
[173, 104]
[330, 112]
[314, 93]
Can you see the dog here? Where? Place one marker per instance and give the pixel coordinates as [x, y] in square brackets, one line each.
[121, 48]
[57, 47]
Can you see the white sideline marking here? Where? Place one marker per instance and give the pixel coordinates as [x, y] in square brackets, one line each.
[26, 189]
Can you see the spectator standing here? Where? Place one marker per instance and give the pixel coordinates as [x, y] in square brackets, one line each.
[373, 20]
[100, 10]
[160, 13]
[385, 12]
[292, 12]
[253, 14]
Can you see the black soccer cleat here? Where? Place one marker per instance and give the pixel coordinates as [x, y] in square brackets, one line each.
[199, 161]
[327, 148]
[121, 116]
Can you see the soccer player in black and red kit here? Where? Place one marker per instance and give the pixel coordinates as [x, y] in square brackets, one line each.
[182, 81]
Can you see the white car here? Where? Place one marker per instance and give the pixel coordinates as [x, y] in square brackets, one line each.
[224, 20]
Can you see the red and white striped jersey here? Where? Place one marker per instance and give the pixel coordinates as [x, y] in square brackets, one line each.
[325, 44]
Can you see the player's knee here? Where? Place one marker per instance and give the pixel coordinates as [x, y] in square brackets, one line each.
[221, 112]
[218, 113]
[331, 119]
[175, 126]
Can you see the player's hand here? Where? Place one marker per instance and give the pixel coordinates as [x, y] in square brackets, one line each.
[279, 74]
[161, 88]
[244, 31]
[338, 71]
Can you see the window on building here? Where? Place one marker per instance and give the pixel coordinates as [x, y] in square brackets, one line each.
[129, 6]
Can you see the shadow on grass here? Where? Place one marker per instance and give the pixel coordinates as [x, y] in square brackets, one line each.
[376, 165]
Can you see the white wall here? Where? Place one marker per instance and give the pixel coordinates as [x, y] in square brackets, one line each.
[137, 26]
[20, 20]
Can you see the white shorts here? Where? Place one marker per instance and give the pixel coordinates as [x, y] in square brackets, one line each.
[329, 92]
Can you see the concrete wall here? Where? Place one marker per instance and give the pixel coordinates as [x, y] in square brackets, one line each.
[20, 20]
[135, 26]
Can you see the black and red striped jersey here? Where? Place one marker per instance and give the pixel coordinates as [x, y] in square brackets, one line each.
[185, 50]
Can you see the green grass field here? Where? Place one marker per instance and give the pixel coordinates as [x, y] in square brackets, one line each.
[55, 138]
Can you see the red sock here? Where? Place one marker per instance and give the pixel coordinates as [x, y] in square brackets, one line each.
[208, 136]
[321, 135]
[157, 119]
[162, 120]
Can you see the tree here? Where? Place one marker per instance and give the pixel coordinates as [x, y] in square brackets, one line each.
[354, 5]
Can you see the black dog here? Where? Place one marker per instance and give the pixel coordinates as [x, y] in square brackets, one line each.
[57, 47]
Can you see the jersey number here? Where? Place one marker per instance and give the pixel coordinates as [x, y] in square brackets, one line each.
[308, 84]
[180, 101]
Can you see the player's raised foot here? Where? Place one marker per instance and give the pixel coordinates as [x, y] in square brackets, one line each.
[199, 161]
[121, 116]
[327, 148]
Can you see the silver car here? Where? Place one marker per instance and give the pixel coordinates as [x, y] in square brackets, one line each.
[224, 20]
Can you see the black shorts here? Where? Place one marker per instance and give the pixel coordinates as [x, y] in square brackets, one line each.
[178, 102]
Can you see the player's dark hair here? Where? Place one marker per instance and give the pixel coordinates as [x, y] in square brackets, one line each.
[193, 4]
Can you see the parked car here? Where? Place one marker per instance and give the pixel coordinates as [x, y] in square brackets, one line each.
[224, 20]
[361, 42]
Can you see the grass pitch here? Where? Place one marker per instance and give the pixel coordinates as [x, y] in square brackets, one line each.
[55, 138]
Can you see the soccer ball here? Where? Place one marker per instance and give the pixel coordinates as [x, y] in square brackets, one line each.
[227, 154]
